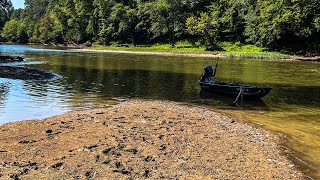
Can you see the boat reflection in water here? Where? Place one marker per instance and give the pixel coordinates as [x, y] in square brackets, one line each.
[222, 101]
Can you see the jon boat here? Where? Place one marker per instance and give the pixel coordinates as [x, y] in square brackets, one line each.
[232, 89]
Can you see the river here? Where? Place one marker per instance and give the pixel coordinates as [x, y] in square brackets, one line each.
[96, 79]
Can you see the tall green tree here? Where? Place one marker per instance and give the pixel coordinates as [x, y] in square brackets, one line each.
[50, 29]
[167, 18]
[276, 24]
[15, 31]
[123, 22]
[269, 22]
[6, 9]
[207, 26]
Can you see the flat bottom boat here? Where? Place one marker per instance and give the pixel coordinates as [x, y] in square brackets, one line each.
[232, 89]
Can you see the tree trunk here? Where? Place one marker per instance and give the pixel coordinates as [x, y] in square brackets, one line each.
[172, 38]
[209, 39]
[132, 38]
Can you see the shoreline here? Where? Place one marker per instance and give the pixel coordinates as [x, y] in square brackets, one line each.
[187, 54]
[142, 139]
[150, 53]
[83, 48]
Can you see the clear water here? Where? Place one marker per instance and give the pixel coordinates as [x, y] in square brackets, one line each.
[95, 79]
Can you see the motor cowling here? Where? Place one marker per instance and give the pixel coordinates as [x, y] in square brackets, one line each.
[208, 71]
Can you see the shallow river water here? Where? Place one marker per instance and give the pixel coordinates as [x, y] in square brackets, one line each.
[96, 79]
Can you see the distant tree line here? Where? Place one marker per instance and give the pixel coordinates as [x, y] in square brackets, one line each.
[276, 24]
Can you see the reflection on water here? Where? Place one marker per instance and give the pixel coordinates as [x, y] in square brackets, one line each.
[89, 80]
[27, 101]
[226, 102]
[4, 89]
[16, 50]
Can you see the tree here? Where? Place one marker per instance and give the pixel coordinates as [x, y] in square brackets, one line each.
[6, 5]
[15, 31]
[167, 17]
[9, 32]
[270, 22]
[123, 21]
[6, 9]
[308, 27]
[276, 24]
[102, 10]
[206, 26]
[50, 29]
[34, 9]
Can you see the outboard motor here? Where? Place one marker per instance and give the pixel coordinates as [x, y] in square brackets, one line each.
[208, 71]
[208, 74]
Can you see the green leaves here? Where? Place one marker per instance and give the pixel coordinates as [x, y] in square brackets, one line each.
[6, 9]
[316, 23]
[50, 28]
[205, 25]
[201, 24]
[276, 24]
[15, 31]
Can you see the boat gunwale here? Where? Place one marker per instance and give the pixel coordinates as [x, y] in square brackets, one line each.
[259, 91]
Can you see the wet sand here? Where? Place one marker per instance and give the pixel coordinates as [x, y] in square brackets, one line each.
[141, 140]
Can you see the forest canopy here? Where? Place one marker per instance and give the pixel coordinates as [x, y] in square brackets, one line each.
[5, 10]
[276, 24]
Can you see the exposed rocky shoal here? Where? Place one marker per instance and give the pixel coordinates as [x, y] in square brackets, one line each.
[141, 140]
[23, 73]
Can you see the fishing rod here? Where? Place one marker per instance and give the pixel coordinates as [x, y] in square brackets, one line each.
[215, 69]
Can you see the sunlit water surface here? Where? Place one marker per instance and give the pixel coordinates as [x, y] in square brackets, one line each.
[95, 79]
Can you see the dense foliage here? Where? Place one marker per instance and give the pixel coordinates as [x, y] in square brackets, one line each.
[277, 24]
[5, 10]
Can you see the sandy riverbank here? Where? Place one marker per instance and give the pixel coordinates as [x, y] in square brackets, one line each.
[150, 53]
[208, 55]
[141, 139]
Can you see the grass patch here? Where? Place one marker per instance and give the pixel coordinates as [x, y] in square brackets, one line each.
[257, 55]
[232, 50]
[238, 50]
[181, 47]
[238, 47]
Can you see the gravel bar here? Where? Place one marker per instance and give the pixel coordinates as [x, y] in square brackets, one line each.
[142, 139]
